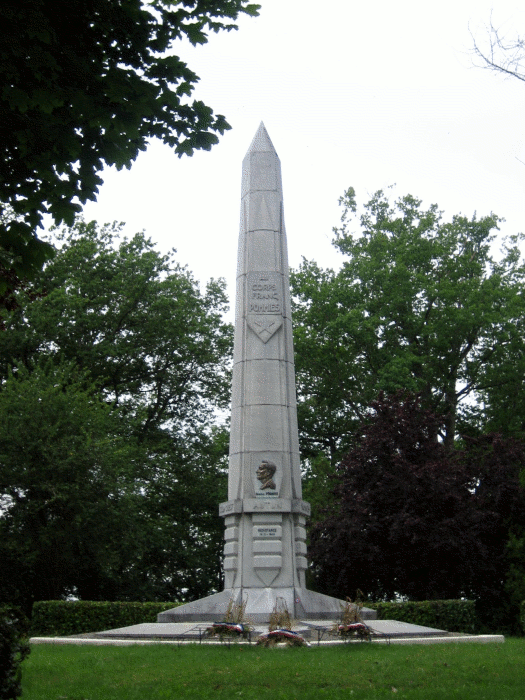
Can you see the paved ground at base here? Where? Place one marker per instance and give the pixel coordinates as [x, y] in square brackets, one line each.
[310, 629]
[316, 632]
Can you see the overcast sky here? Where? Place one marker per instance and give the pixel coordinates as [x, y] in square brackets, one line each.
[352, 93]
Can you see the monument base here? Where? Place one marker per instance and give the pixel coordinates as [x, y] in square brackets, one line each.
[301, 603]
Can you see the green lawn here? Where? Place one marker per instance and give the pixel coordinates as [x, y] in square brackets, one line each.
[438, 672]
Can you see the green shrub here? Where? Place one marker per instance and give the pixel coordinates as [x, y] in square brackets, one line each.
[450, 615]
[58, 617]
[498, 615]
[522, 616]
[14, 648]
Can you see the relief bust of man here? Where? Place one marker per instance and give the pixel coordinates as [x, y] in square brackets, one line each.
[265, 473]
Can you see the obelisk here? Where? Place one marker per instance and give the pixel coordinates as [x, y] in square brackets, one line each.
[265, 516]
[265, 550]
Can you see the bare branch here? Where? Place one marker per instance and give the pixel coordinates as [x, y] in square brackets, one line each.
[502, 54]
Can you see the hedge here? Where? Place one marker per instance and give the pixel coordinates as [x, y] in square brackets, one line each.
[59, 617]
[449, 615]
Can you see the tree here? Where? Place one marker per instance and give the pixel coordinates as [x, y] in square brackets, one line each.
[412, 518]
[155, 353]
[501, 54]
[86, 83]
[497, 463]
[135, 320]
[419, 304]
[10, 281]
[399, 522]
[64, 478]
[14, 648]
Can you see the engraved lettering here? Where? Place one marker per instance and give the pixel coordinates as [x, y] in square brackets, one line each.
[263, 287]
[268, 295]
[265, 308]
[264, 304]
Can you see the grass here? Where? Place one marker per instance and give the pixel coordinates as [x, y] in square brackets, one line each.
[438, 672]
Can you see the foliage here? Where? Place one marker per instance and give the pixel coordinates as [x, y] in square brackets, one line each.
[10, 282]
[427, 501]
[419, 304]
[62, 474]
[14, 648]
[383, 534]
[498, 463]
[135, 320]
[515, 575]
[60, 617]
[109, 464]
[412, 518]
[85, 84]
[449, 615]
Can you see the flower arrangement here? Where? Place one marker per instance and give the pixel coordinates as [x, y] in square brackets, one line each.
[280, 628]
[351, 623]
[234, 624]
[354, 629]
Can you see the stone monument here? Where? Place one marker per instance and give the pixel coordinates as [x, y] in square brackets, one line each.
[265, 516]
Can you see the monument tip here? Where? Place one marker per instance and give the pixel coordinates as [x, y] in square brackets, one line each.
[261, 141]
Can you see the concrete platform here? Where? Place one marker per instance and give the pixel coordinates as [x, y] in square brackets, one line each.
[306, 628]
[391, 628]
[317, 632]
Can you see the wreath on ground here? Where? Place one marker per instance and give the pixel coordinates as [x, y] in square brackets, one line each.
[354, 629]
[235, 623]
[351, 623]
[281, 636]
[228, 629]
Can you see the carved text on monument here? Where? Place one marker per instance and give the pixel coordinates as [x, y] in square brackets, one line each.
[267, 532]
[264, 303]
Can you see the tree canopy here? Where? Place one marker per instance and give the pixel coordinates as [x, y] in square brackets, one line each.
[84, 84]
[416, 493]
[412, 518]
[419, 304]
[111, 463]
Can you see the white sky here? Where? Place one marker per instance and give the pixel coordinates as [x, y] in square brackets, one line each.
[352, 93]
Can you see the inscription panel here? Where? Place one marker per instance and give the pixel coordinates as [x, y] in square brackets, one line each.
[269, 531]
[264, 303]
[228, 507]
[279, 505]
[267, 518]
[267, 546]
[264, 291]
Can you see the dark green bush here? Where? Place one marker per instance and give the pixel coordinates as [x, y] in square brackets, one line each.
[498, 616]
[14, 648]
[58, 617]
[449, 615]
